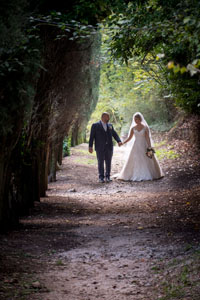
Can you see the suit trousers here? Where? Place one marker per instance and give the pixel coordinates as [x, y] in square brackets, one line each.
[104, 155]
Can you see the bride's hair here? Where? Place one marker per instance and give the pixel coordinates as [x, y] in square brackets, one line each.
[133, 124]
[138, 116]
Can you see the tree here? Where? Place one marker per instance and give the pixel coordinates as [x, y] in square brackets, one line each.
[46, 49]
[127, 88]
[169, 32]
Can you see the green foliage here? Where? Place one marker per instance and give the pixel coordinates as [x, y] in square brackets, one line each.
[20, 48]
[76, 20]
[168, 31]
[125, 89]
[84, 152]
[66, 146]
[87, 161]
[28, 29]
[183, 279]
[19, 65]
[59, 262]
[166, 153]
[85, 11]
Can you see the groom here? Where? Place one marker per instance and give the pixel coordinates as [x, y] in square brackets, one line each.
[102, 132]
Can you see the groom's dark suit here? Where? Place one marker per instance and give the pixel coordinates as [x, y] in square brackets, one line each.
[103, 146]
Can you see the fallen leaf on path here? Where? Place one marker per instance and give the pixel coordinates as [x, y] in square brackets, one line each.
[36, 285]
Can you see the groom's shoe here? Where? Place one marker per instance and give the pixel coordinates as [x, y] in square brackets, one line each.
[101, 180]
[108, 179]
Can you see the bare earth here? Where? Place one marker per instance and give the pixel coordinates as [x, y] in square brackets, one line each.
[116, 241]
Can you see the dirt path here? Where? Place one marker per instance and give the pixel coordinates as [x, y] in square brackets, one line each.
[116, 241]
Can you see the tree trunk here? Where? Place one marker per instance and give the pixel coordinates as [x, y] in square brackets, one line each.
[60, 151]
[25, 198]
[74, 136]
[42, 160]
[53, 163]
[8, 214]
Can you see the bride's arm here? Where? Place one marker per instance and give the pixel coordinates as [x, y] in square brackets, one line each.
[130, 137]
[147, 137]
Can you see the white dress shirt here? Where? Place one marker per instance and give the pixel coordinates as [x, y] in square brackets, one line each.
[104, 125]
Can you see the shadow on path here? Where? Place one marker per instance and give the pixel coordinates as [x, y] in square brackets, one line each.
[113, 241]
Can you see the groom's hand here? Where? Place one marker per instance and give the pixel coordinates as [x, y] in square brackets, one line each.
[120, 144]
[90, 149]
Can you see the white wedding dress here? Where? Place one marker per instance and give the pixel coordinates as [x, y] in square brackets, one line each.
[138, 166]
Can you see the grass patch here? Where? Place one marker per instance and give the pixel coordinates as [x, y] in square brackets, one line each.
[84, 152]
[163, 150]
[162, 143]
[179, 279]
[86, 161]
[59, 262]
[166, 153]
[172, 292]
[156, 269]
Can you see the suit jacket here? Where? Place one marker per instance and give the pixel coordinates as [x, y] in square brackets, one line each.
[101, 137]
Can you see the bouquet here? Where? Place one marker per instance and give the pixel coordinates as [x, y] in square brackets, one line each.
[150, 152]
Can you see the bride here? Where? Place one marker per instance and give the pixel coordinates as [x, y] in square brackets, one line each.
[138, 165]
